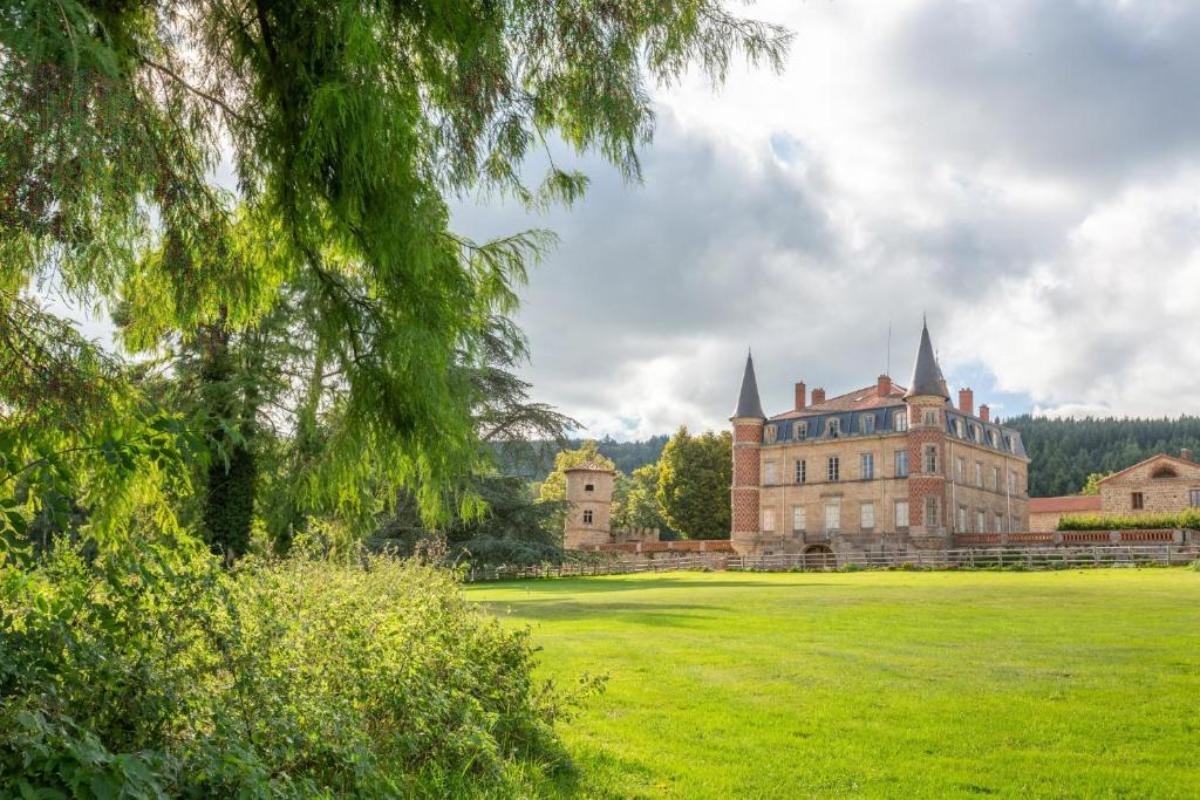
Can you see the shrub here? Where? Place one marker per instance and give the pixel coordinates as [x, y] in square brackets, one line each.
[1186, 519]
[148, 671]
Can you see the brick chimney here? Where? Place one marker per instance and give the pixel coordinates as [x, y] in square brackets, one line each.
[801, 395]
[818, 397]
[885, 385]
[966, 402]
[1185, 454]
[985, 413]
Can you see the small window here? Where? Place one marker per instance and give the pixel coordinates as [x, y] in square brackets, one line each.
[833, 468]
[798, 519]
[770, 473]
[866, 466]
[900, 420]
[587, 516]
[835, 428]
[901, 463]
[800, 431]
[589, 487]
[931, 458]
[931, 417]
[867, 516]
[1137, 501]
[867, 424]
[1194, 497]
[901, 514]
[1165, 471]
[833, 516]
[768, 520]
[801, 471]
[931, 512]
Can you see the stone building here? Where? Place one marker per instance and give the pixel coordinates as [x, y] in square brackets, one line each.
[1161, 484]
[589, 499]
[881, 469]
[1045, 512]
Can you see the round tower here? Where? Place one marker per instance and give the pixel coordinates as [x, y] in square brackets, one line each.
[927, 397]
[589, 499]
[748, 421]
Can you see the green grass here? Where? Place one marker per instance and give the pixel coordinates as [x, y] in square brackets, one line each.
[875, 684]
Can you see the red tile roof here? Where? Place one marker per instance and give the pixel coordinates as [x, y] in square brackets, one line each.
[858, 400]
[1072, 504]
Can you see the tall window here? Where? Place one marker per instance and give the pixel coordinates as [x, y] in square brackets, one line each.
[1194, 497]
[901, 463]
[833, 516]
[866, 423]
[960, 468]
[866, 516]
[996, 478]
[901, 514]
[964, 523]
[999, 522]
[866, 466]
[768, 520]
[798, 519]
[1012, 481]
[770, 473]
[834, 428]
[931, 458]
[900, 420]
[801, 471]
[587, 516]
[800, 431]
[979, 474]
[832, 468]
[981, 521]
[931, 512]
[958, 428]
[1137, 501]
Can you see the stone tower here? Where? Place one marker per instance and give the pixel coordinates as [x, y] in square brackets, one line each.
[927, 397]
[748, 420]
[589, 498]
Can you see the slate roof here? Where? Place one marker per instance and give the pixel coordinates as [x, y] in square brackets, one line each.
[859, 400]
[1072, 504]
[748, 403]
[927, 376]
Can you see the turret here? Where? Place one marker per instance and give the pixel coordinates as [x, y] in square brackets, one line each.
[927, 397]
[748, 420]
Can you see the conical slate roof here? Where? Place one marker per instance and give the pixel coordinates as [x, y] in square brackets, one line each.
[748, 402]
[927, 375]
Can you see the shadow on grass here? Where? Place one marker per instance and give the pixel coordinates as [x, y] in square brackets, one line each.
[598, 775]
[656, 614]
[622, 583]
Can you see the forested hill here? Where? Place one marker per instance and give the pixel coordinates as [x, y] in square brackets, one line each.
[1065, 451]
[534, 460]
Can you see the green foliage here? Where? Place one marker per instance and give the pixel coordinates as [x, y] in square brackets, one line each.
[1092, 486]
[149, 671]
[1186, 519]
[536, 459]
[1065, 452]
[635, 504]
[694, 476]
[554, 488]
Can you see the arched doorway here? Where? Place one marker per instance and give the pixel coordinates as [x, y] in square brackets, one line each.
[819, 556]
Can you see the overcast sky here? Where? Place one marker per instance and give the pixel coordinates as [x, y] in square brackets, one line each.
[1028, 173]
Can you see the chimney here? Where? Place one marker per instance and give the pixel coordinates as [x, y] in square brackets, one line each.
[801, 394]
[1185, 454]
[985, 413]
[818, 397]
[966, 402]
[885, 385]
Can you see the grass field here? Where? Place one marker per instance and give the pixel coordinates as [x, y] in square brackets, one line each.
[875, 684]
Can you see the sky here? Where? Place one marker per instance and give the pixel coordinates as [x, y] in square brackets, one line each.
[1026, 173]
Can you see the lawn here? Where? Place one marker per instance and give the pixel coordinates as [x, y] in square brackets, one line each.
[875, 684]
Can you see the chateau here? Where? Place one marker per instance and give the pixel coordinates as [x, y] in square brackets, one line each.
[882, 469]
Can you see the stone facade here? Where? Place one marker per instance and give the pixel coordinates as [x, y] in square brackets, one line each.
[1159, 485]
[589, 498]
[878, 470]
[1045, 512]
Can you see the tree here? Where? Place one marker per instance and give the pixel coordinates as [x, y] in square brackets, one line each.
[694, 476]
[635, 505]
[347, 124]
[1092, 487]
[554, 488]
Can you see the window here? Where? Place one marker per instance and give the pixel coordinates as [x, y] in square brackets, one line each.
[770, 473]
[958, 428]
[866, 466]
[833, 516]
[866, 516]
[964, 525]
[771, 432]
[587, 517]
[867, 423]
[901, 514]
[800, 431]
[995, 438]
[999, 522]
[1137, 501]
[835, 428]
[768, 520]
[1012, 482]
[981, 521]
[798, 519]
[1194, 497]
[589, 487]
[960, 468]
[931, 458]
[832, 468]
[979, 474]
[901, 463]
[900, 420]
[996, 478]
[931, 417]
[931, 512]
[801, 471]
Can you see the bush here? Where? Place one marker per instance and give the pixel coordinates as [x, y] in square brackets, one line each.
[1186, 519]
[148, 671]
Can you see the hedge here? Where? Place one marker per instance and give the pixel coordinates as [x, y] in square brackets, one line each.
[1187, 519]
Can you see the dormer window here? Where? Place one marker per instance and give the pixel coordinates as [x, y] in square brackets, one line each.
[900, 420]
[958, 428]
[800, 431]
[866, 424]
[835, 428]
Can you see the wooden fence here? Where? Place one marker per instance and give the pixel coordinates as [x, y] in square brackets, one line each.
[1009, 558]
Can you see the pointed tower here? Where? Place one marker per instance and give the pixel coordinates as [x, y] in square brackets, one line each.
[927, 397]
[748, 420]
